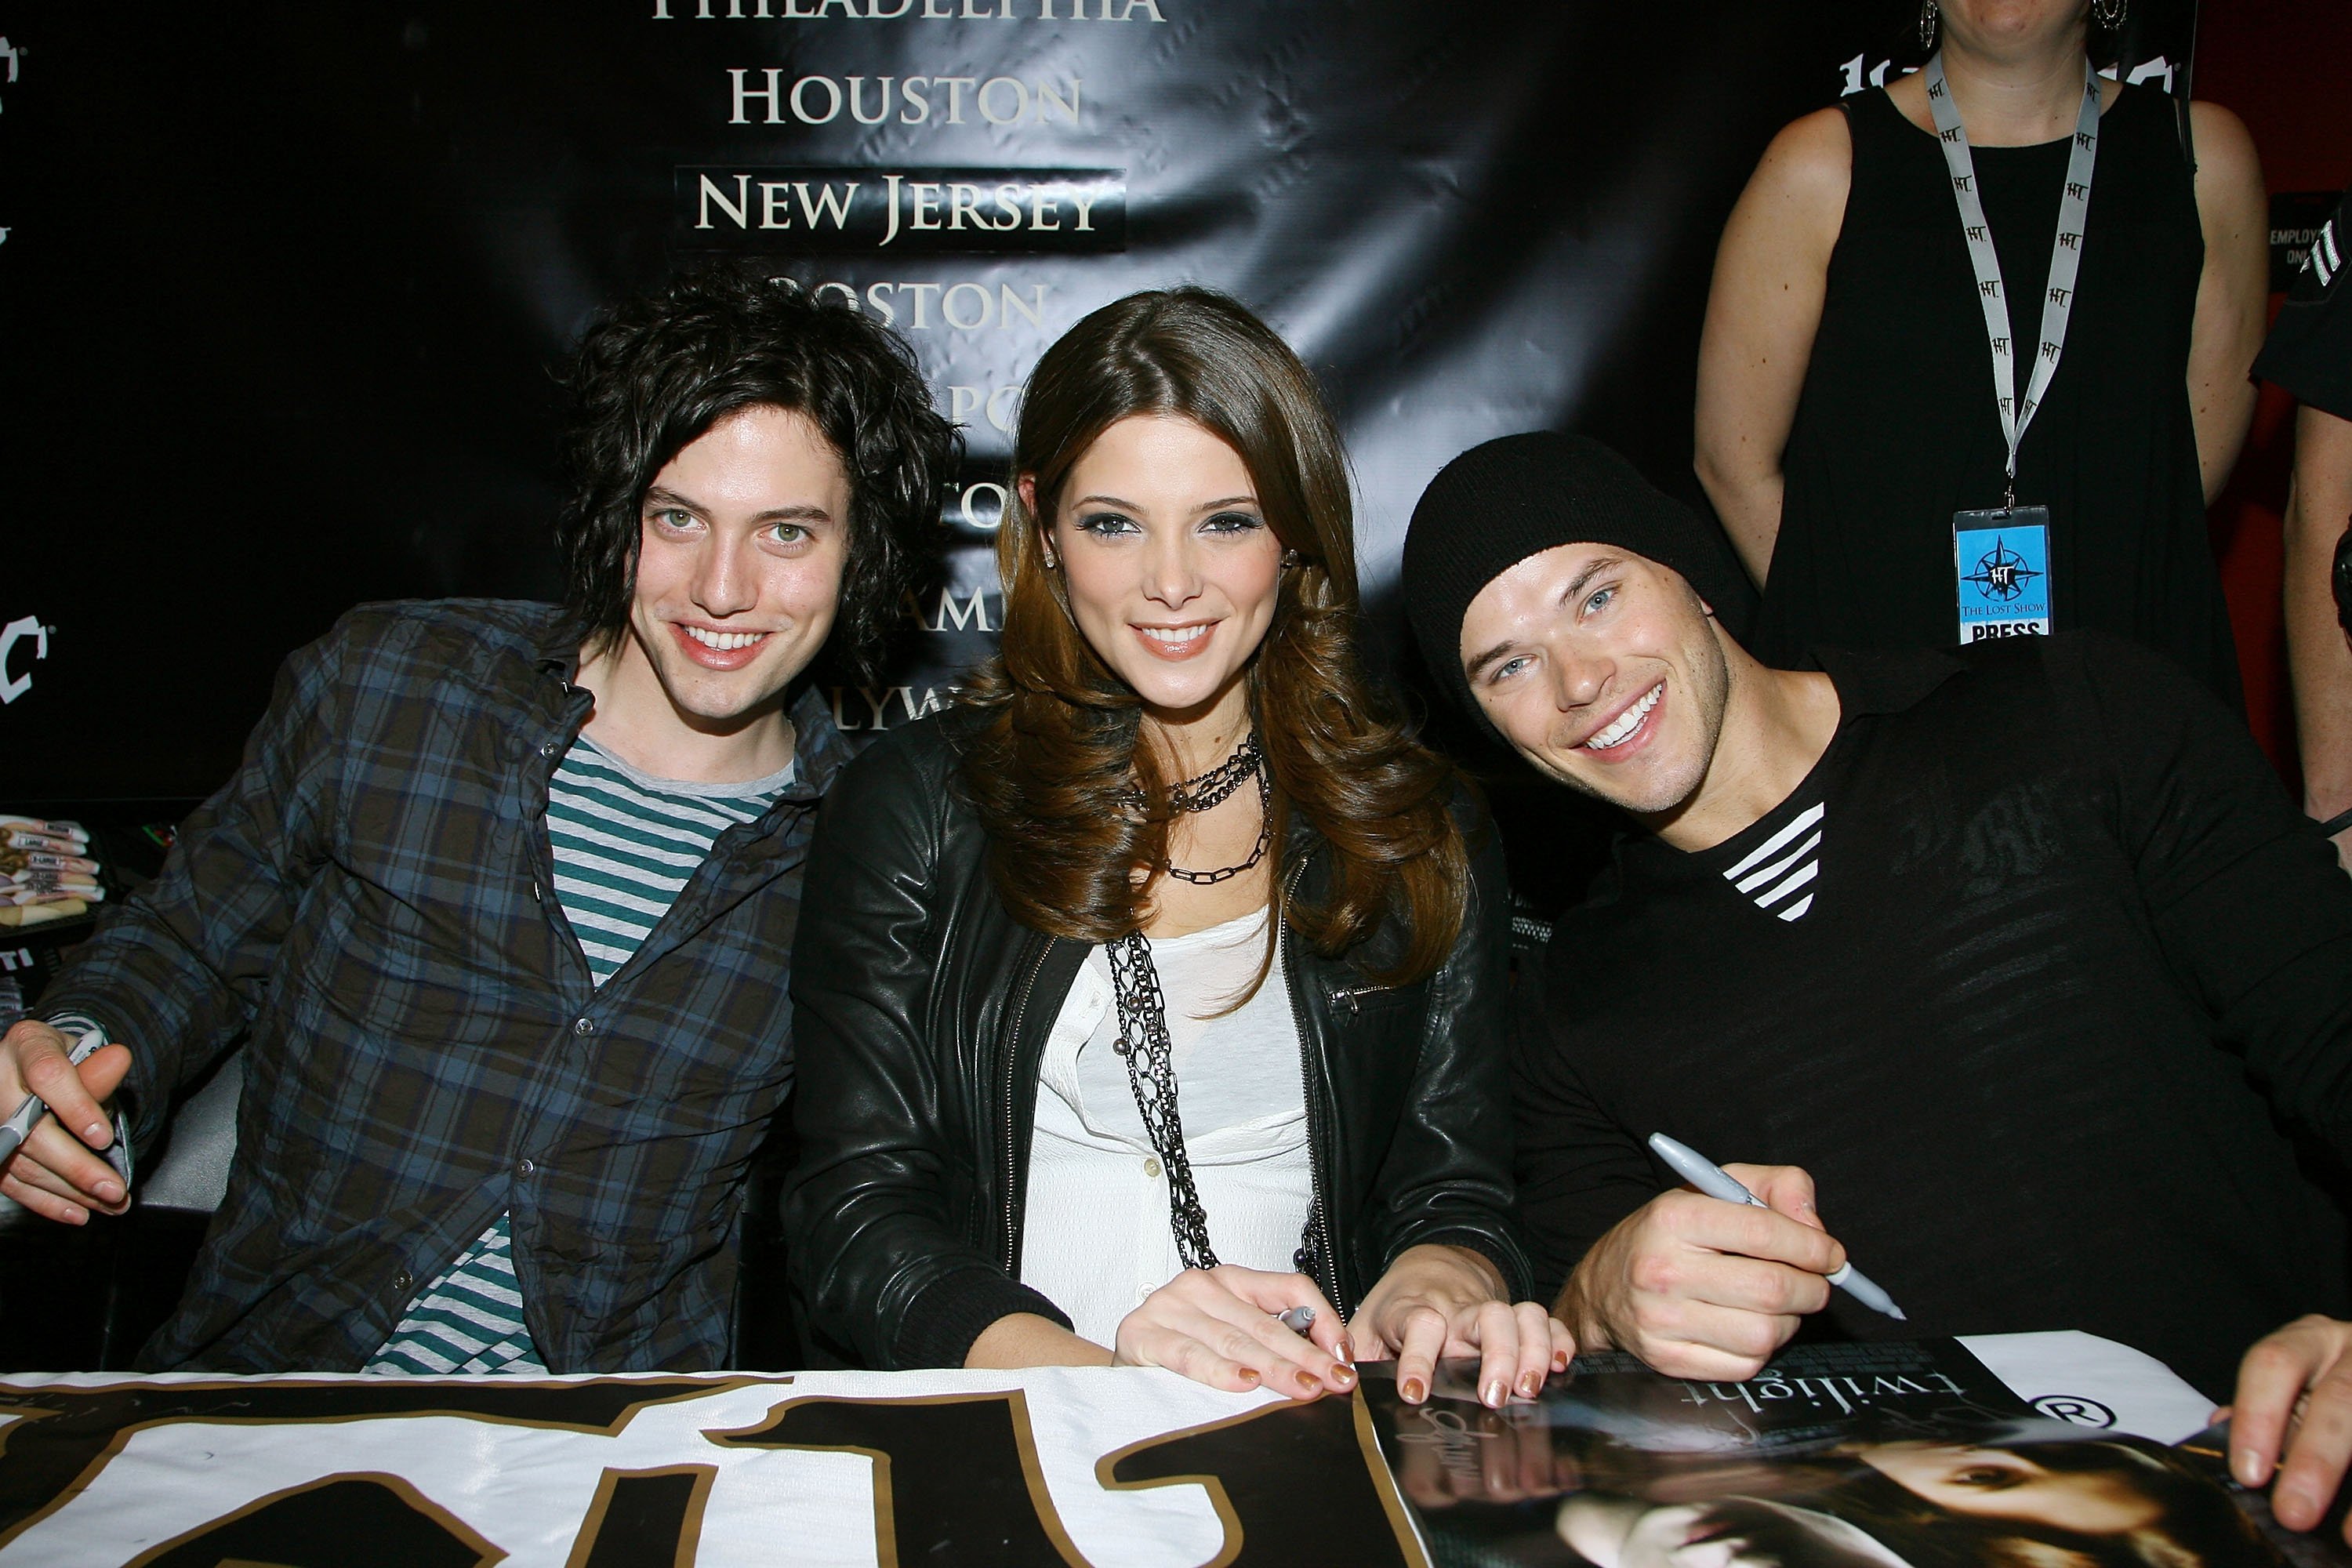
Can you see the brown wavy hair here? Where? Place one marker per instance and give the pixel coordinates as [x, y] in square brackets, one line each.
[1054, 741]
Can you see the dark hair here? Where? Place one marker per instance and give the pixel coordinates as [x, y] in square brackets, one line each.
[2197, 1522]
[659, 370]
[1057, 741]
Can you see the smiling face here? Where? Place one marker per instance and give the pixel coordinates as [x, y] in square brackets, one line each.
[1170, 567]
[1603, 669]
[745, 536]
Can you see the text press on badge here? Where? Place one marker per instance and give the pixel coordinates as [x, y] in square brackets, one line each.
[2000, 558]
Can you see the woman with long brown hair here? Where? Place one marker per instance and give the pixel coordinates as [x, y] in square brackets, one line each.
[1152, 993]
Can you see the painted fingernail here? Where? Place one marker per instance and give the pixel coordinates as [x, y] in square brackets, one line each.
[1496, 1394]
[1529, 1384]
[1414, 1390]
[1309, 1383]
[1560, 1360]
[1249, 1376]
[1345, 1376]
[1345, 1352]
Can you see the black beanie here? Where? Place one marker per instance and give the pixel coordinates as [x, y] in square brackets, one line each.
[1517, 496]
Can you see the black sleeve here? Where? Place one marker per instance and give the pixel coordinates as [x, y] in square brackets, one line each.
[1446, 1178]
[1579, 1172]
[2246, 897]
[2309, 350]
[873, 1254]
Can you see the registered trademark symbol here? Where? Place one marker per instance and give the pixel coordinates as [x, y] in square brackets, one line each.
[2073, 1408]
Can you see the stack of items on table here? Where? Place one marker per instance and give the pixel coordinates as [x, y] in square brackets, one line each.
[47, 872]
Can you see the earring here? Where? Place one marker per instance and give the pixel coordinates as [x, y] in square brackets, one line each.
[1292, 558]
[2109, 13]
[1051, 562]
[1927, 24]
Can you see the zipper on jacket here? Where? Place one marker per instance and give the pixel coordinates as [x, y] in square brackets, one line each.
[1353, 997]
[1317, 1209]
[1012, 1160]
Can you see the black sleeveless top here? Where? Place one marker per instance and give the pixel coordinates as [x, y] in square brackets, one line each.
[1896, 427]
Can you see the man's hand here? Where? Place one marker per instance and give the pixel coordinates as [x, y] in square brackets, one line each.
[2295, 1392]
[1219, 1326]
[1702, 1288]
[54, 1173]
[1438, 1301]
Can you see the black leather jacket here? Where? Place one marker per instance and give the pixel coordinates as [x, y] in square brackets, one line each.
[922, 1010]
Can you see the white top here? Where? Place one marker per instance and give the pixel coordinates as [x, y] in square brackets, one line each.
[1097, 1238]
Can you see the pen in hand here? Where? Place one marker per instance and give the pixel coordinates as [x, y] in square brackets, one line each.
[19, 1126]
[1711, 1179]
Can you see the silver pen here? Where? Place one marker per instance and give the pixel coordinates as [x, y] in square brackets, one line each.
[1711, 1179]
[18, 1127]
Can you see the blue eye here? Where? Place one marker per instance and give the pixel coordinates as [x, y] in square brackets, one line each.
[1506, 669]
[1600, 600]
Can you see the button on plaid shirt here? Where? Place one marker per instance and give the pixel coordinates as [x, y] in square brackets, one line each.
[369, 904]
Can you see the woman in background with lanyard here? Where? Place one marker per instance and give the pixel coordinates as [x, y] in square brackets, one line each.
[2003, 210]
[1148, 1002]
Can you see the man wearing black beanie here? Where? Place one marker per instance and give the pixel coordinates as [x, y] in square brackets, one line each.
[2014, 953]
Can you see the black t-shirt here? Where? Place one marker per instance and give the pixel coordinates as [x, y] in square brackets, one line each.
[2310, 348]
[2022, 972]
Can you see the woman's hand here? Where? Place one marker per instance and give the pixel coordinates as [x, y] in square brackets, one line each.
[1218, 1326]
[1447, 1301]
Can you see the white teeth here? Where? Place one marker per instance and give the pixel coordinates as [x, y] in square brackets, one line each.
[1623, 727]
[723, 641]
[1175, 635]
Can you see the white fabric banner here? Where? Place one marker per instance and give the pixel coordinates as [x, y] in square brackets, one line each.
[1106, 1467]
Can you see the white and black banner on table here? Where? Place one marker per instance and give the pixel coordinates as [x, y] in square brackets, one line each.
[1088, 1468]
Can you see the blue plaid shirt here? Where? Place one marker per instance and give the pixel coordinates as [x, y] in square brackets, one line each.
[369, 904]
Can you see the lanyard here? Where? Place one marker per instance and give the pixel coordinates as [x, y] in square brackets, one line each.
[2066, 254]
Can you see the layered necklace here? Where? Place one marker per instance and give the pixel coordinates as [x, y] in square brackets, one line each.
[1143, 1041]
[1212, 788]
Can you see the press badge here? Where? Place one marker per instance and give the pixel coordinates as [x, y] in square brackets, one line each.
[2001, 561]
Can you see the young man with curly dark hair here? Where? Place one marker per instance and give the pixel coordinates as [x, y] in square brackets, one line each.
[502, 897]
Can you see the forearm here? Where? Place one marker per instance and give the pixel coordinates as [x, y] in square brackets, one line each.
[1748, 502]
[2320, 507]
[2221, 416]
[147, 981]
[2233, 291]
[1024, 1338]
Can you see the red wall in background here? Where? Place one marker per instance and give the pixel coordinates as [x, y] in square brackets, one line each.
[2283, 66]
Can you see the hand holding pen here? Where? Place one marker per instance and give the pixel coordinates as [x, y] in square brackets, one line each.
[56, 1088]
[1711, 1179]
[1707, 1288]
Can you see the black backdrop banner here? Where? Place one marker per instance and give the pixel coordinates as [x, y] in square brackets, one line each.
[284, 282]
